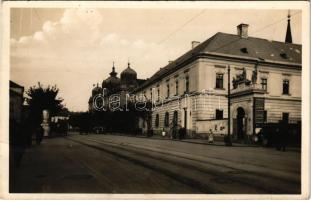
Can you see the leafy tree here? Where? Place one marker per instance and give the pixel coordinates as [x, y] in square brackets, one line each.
[41, 98]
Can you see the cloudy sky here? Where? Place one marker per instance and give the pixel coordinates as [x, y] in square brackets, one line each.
[75, 48]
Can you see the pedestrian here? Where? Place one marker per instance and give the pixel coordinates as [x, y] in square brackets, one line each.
[284, 136]
[39, 134]
[163, 133]
[210, 136]
[277, 139]
[17, 143]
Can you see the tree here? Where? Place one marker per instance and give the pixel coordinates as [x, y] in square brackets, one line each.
[43, 98]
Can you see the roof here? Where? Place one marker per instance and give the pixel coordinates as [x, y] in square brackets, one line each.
[15, 85]
[230, 45]
[141, 81]
[111, 81]
[16, 89]
[128, 70]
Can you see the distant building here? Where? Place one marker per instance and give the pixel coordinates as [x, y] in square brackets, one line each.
[113, 85]
[16, 102]
[192, 91]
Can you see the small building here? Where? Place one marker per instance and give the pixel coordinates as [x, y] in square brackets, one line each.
[16, 102]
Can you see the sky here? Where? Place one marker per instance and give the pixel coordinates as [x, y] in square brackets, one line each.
[75, 48]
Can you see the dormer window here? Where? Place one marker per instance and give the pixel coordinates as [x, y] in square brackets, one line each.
[284, 55]
[244, 50]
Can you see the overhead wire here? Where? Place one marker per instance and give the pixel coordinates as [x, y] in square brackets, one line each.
[276, 22]
[181, 27]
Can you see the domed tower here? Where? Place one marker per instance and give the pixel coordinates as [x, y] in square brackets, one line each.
[96, 90]
[112, 83]
[128, 78]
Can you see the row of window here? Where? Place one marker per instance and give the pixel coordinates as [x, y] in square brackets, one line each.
[285, 88]
[166, 119]
[168, 89]
[219, 85]
[264, 83]
[218, 115]
[285, 117]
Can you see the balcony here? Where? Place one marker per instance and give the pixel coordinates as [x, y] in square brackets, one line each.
[247, 88]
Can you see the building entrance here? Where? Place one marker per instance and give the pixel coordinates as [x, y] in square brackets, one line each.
[240, 123]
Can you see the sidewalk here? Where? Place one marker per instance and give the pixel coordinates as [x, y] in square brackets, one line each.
[200, 141]
[188, 140]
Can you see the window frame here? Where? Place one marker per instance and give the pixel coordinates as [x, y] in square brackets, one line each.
[264, 84]
[157, 121]
[265, 116]
[285, 92]
[217, 86]
[158, 91]
[285, 114]
[187, 84]
[166, 119]
[217, 112]
[176, 87]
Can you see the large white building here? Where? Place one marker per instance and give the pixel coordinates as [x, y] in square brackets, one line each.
[192, 91]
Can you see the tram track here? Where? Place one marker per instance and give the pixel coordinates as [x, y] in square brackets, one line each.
[204, 176]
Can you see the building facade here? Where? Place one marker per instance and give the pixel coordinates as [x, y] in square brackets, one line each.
[264, 78]
[114, 89]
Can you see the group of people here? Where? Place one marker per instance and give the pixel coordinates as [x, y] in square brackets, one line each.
[178, 132]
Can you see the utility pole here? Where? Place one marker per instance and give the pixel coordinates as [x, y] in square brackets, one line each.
[228, 141]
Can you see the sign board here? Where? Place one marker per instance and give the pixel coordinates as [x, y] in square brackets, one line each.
[259, 111]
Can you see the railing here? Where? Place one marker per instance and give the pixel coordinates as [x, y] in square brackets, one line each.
[243, 87]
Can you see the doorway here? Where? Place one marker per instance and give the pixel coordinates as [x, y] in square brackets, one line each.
[240, 123]
[175, 118]
[186, 118]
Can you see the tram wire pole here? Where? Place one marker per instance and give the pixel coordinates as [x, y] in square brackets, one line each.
[228, 140]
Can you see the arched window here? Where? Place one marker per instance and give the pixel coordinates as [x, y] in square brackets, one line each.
[175, 118]
[166, 119]
[157, 120]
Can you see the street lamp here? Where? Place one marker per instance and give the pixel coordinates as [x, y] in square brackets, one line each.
[228, 139]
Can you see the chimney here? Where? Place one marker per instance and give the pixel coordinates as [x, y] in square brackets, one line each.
[243, 30]
[194, 44]
[170, 61]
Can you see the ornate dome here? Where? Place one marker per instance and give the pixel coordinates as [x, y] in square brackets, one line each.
[129, 72]
[113, 82]
[128, 77]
